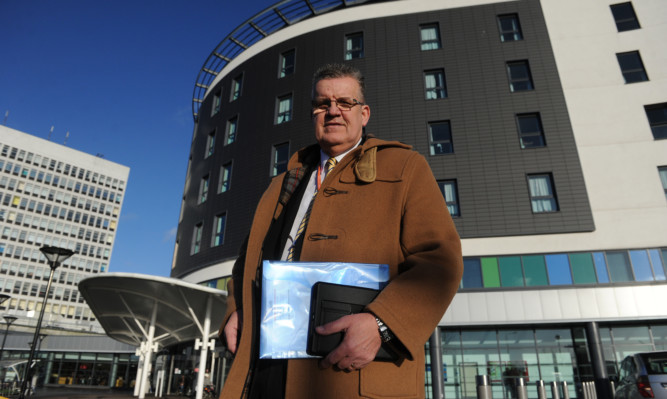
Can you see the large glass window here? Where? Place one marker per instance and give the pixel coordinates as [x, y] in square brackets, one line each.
[287, 61]
[203, 189]
[354, 46]
[219, 229]
[624, 16]
[232, 128]
[535, 270]
[210, 144]
[641, 265]
[662, 171]
[450, 192]
[542, 194]
[659, 263]
[601, 267]
[490, 272]
[430, 37]
[619, 266]
[519, 76]
[472, 273]
[511, 274]
[558, 267]
[531, 134]
[509, 28]
[440, 138]
[217, 101]
[196, 239]
[657, 118]
[284, 109]
[225, 177]
[434, 83]
[235, 92]
[280, 157]
[583, 270]
[632, 67]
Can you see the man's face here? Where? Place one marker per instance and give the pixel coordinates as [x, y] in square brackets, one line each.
[335, 130]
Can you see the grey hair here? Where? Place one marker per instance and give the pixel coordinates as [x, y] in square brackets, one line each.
[333, 71]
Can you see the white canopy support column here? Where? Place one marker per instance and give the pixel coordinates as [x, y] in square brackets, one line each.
[148, 350]
[205, 344]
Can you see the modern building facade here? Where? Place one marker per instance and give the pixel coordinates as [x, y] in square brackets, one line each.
[58, 196]
[544, 122]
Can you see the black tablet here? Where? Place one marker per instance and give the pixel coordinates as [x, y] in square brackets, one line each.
[330, 302]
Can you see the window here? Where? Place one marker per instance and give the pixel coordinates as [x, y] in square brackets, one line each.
[440, 138]
[236, 88]
[210, 144]
[287, 63]
[219, 230]
[624, 16]
[354, 46]
[632, 67]
[225, 177]
[203, 189]
[663, 178]
[657, 118]
[531, 134]
[217, 101]
[279, 158]
[450, 192]
[542, 195]
[284, 109]
[430, 37]
[196, 239]
[509, 28]
[232, 127]
[434, 81]
[519, 75]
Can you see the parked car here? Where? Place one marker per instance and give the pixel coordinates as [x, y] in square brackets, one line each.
[643, 375]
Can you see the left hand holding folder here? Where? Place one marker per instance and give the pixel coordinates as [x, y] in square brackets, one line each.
[360, 344]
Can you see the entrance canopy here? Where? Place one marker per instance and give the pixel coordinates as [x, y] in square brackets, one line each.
[124, 304]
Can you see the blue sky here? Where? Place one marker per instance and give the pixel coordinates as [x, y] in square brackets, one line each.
[119, 76]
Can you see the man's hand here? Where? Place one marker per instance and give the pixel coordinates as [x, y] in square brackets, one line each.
[361, 341]
[231, 331]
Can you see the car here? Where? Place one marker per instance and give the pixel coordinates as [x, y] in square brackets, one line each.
[643, 375]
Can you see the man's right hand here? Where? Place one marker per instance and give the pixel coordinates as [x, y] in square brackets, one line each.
[231, 331]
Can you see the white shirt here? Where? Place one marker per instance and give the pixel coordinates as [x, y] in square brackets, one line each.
[308, 195]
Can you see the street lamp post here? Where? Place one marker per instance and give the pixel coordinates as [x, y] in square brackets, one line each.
[55, 256]
[8, 320]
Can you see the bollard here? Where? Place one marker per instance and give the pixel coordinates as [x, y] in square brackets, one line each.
[521, 392]
[555, 394]
[483, 387]
[566, 393]
[541, 392]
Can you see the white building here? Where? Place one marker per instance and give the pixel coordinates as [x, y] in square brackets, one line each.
[54, 195]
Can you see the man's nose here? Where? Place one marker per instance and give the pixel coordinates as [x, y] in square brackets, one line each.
[333, 111]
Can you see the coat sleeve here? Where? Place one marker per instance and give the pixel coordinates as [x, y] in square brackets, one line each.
[417, 297]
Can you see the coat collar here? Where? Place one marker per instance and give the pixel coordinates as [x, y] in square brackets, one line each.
[364, 159]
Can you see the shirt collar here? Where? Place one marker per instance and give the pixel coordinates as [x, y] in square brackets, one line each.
[324, 157]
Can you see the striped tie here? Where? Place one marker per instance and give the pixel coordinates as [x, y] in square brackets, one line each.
[331, 163]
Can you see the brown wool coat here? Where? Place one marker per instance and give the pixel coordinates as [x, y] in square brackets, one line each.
[390, 210]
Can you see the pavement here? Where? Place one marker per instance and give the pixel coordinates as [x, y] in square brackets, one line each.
[64, 393]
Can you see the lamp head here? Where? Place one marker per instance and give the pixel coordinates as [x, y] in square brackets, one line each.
[9, 319]
[56, 255]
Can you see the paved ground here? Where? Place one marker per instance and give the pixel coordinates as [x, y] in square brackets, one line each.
[58, 393]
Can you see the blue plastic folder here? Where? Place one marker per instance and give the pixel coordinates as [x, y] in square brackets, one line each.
[286, 288]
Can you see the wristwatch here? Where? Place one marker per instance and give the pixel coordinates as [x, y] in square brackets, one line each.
[385, 334]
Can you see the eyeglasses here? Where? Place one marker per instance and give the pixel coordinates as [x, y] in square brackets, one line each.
[343, 104]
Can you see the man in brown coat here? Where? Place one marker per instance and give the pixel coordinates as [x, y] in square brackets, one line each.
[379, 204]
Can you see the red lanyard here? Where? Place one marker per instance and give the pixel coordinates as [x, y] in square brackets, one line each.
[319, 174]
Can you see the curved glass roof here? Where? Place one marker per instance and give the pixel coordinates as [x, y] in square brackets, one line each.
[263, 24]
